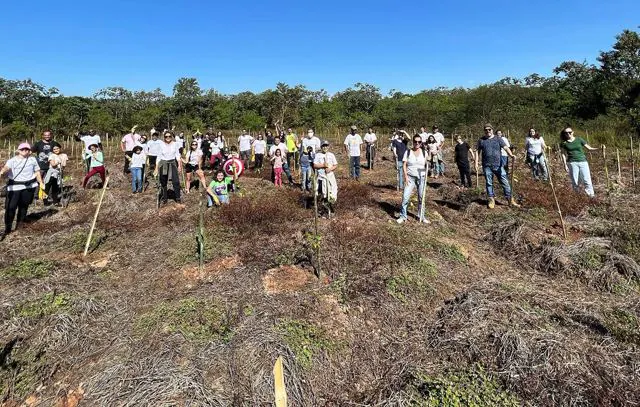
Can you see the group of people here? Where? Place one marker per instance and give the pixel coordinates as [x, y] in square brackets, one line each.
[41, 167]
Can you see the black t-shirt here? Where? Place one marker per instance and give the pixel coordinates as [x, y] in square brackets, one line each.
[42, 151]
[205, 146]
[271, 139]
[401, 148]
[462, 152]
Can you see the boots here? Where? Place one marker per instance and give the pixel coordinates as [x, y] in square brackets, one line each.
[512, 202]
[492, 203]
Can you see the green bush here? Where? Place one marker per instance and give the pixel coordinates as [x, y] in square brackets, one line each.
[27, 269]
[304, 340]
[49, 304]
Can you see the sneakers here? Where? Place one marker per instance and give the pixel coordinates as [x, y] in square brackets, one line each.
[512, 202]
[425, 220]
[492, 203]
[401, 220]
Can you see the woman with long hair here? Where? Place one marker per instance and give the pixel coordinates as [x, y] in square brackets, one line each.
[575, 160]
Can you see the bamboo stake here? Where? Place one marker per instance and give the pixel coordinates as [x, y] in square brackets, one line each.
[95, 217]
[280, 391]
[315, 224]
[555, 196]
[200, 234]
[606, 169]
[477, 158]
[618, 163]
[422, 209]
[633, 163]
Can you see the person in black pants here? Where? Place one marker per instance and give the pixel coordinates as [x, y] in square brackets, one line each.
[462, 160]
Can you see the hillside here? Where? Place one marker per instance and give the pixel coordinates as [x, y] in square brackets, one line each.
[481, 307]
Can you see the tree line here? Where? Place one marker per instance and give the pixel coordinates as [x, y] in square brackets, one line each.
[603, 97]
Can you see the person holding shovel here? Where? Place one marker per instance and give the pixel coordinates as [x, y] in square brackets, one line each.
[414, 171]
[491, 146]
[575, 161]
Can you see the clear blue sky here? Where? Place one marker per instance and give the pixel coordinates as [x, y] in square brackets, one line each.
[233, 46]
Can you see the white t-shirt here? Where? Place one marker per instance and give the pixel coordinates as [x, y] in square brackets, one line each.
[424, 136]
[534, 145]
[259, 146]
[324, 158]
[216, 145]
[416, 164]
[370, 138]
[154, 147]
[353, 141]
[138, 160]
[194, 156]
[130, 141]
[312, 142]
[439, 138]
[89, 140]
[506, 143]
[244, 142]
[22, 169]
[281, 146]
[168, 151]
[56, 160]
[180, 141]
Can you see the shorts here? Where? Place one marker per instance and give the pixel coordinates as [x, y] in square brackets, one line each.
[244, 155]
[189, 168]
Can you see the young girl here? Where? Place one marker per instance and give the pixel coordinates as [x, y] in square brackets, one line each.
[137, 160]
[96, 166]
[218, 189]
[278, 161]
[193, 164]
[432, 150]
[53, 178]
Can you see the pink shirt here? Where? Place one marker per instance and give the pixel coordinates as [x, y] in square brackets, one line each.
[130, 141]
[278, 162]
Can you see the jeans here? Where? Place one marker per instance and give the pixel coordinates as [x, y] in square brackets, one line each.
[579, 172]
[354, 164]
[538, 166]
[371, 155]
[502, 177]
[223, 199]
[414, 182]
[305, 178]
[465, 174]
[440, 164]
[400, 175]
[136, 179]
[504, 162]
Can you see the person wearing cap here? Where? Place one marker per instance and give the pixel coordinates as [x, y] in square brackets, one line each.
[169, 166]
[24, 177]
[90, 138]
[127, 143]
[370, 145]
[490, 147]
[325, 163]
[97, 165]
[440, 140]
[137, 162]
[353, 148]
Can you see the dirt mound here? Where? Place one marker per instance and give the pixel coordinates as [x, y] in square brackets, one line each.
[286, 279]
[211, 269]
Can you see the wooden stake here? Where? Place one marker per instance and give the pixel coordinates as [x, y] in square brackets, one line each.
[555, 196]
[618, 163]
[477, 155]
[280, 391]
[606, 169]
[633, 163]
[422, 210]
[315, 225]
[95, 217]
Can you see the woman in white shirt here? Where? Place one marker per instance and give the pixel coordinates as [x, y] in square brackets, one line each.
[169, 165]
[259, 149]
[24, 177]
[414, 168]
[194, 164]
[535, 146]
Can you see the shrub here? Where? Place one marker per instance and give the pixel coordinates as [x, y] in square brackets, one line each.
[304, 340]
[27, 269]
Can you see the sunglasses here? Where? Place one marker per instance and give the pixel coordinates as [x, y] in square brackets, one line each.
[25, 149]
[488, 129]
[417, 141]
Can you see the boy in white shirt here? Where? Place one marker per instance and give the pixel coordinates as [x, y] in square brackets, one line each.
[353, 147]
[370, 145]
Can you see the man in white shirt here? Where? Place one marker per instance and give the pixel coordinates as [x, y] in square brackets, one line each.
[311, 140]
[424, 135]
[325, 163]
[126, 145]
[440, 139]
[153, 148]
[353, 148]
[88, 139]
[244, 145]
[370, 147]
[169, 166]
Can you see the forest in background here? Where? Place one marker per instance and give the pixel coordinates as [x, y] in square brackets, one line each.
[602, 98]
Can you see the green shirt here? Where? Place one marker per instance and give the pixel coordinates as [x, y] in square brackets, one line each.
[291, 142]
[220, 187]
[574, 150]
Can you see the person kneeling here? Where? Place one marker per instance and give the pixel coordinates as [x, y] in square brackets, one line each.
[218, 190]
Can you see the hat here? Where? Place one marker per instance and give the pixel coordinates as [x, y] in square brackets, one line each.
[137, 148]
[324, 143]
[92, 145]
[488, 125]
[354, 128]
[23, 146]
[434, 126]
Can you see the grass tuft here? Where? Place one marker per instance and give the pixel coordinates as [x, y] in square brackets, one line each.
[27, 269]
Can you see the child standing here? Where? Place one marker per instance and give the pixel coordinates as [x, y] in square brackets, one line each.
[218, 189]
[278, 162]
[96, 165]
[138, 159]
[53, 178]
[433, 148]
[462, 161]
[306, 160]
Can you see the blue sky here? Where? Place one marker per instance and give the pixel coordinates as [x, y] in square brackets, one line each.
[233, 46]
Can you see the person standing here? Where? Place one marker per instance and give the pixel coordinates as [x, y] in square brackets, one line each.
[193, 163]
[353, 148]
[271, 140]
[259, 149]
[217, 145]
[43, 149]
[504, 157]
[280, 145]
[244, 145]
[325, 162]
[53, 178]
[24, 177]
[169, 165]
[399, 148]
[97, 165]
[127, 143]
[575, 160]
[310, 140]
[370, 146]
[535, 147]
[88, 139]
[153, 147]
[291, 140]
[462, 161]
[205, 146]
[424, 136]
[440, 140]
[491, 146]
[306, 161]
[138, 160]
[414, 169]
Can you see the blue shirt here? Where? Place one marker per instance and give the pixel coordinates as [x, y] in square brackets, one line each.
[490, 148]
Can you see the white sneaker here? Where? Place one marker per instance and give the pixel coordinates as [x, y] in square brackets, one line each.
[425, 220]
[401, 220]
